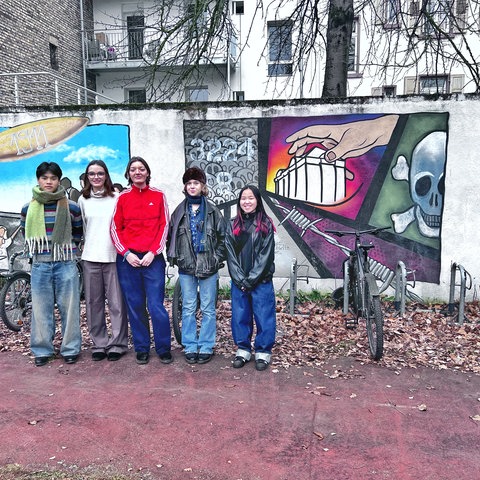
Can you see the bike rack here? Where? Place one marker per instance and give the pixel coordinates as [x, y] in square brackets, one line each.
[464, 277]
[401, 283]
[346, 283]
[294, 279]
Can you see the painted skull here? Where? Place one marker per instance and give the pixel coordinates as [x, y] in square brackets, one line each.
[427, 182]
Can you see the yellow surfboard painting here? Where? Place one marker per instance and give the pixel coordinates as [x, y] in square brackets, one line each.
[33, 138]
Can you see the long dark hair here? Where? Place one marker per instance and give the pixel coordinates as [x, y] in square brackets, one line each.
[262, 219]
[108, 185]
[145, 164]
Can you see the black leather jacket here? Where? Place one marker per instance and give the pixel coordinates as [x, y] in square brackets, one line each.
[262, 251]
[179, 244]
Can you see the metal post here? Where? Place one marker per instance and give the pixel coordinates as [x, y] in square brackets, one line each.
[293, 285]
[15, 88]
[55, 85]
[464, 275]
[346, 283]
[84, 56]
[400, 287]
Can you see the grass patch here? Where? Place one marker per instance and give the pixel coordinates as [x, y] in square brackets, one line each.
[18, 472]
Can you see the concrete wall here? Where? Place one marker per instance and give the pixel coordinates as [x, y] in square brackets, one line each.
[157, 133]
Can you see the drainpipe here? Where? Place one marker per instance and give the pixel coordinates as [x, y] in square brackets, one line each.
[84, 68]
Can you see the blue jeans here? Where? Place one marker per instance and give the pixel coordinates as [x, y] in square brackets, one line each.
[144, 287]
[204, 340]
[55, 283]
[259, 305]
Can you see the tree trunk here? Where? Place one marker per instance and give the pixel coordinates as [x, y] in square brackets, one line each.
[339, 37]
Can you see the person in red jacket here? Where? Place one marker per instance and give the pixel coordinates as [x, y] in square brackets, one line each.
[139, 232]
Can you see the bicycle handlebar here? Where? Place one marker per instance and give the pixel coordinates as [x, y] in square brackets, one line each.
[357, 233]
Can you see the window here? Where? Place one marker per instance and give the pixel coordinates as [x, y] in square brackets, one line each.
[433, 84]
[237, 8]
[135, 33]
[239, 96]
[137, 95]
[198, 15]
[279, 48]
[437, 16]
[353, 50]
[392, 13]
[389, 91]
[196, 94]
[53, 46]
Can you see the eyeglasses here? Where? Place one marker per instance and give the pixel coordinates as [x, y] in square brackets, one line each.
[97, 174]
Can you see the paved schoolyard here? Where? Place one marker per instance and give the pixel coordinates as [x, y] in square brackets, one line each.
[342, 421]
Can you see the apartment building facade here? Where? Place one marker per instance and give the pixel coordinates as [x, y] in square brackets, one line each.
[124, 51]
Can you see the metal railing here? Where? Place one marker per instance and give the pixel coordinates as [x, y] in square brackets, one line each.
[131, 46]
[46, 88]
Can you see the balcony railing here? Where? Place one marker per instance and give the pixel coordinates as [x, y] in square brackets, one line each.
[45, 88]
[140, 46]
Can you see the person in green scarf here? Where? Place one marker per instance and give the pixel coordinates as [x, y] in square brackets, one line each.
[52, 226]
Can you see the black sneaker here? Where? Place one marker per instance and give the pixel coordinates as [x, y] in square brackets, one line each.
[114, 356]
[239, 361]
[142, 358]
[261, 365]
[98, 356]
[70, 359]
[204, 357]
[166, 357]
[191, 357]
[41, 361]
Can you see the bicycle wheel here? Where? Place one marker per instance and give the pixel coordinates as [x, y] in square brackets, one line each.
[374, 323]
[177, 312]
[80, 278]
[16, 301]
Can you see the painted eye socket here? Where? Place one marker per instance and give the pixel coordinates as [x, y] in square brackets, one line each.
[423, 186]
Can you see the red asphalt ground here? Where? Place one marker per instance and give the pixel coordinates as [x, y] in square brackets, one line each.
[342, 421]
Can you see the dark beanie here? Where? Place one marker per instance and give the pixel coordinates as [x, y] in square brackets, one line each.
[194, 173]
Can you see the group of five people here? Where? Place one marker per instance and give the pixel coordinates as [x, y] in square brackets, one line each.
[123, 237]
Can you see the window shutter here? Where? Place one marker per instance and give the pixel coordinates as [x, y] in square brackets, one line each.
[376, 91]
[456, 83]
[410, 85]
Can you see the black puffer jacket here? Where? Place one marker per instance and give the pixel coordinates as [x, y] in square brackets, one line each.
[179, 244]
[260, 252]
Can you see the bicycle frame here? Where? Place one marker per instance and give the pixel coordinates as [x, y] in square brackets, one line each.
[361, 293]
[358, 257]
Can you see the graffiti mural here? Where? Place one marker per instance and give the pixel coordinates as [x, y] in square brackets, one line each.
[69, 141]
[336, 172]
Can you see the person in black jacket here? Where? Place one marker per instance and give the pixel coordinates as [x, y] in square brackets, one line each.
[196, 244]
[251, 262]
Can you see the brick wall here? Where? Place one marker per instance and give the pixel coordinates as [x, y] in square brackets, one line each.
[29, 30]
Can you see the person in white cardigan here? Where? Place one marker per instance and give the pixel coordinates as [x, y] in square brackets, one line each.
[97, 203]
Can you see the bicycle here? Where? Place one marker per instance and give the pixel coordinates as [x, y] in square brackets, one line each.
[360, 290]
[16, 294]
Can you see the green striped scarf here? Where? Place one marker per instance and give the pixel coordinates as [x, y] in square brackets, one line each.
[35, 231]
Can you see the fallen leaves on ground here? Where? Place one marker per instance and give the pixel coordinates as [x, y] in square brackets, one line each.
[424, 336]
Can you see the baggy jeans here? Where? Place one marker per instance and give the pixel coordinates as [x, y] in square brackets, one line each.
[55, 283]
[259, 305]
[144, 287]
